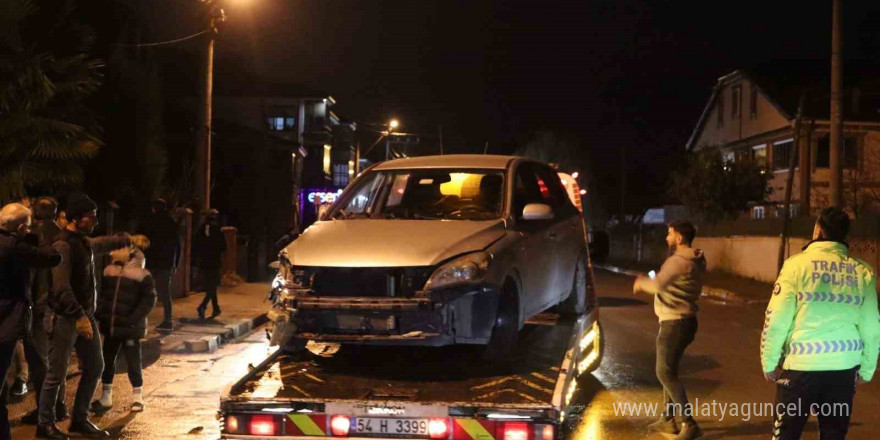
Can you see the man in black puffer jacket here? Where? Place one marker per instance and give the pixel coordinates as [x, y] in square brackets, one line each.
[128, 295]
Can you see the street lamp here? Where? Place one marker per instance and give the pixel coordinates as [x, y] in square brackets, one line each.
[392, 124]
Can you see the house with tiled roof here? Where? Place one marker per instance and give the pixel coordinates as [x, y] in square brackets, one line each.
[750, 115]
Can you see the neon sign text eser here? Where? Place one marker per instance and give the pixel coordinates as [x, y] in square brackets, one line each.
[323, 197]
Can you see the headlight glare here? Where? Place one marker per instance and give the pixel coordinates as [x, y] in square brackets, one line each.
[467, 268]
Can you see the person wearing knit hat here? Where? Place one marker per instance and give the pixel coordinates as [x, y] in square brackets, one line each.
[73, 301]
[79, 204]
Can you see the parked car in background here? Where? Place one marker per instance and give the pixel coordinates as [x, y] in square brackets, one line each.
[438, 250]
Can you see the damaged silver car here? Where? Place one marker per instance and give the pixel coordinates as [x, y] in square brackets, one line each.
[456, 249]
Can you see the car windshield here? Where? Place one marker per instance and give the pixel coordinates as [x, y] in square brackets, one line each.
[427, 194]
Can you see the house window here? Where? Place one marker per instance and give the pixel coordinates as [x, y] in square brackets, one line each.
[281, 123]
[753, 102]
[782, 152]
[728, 158]
[735, 93]
[758, 212]
[759, 155]
[720, 109]
[850, 152]
[327, 149]
[340, 174]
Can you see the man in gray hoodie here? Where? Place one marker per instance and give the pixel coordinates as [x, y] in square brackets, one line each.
[676, 289]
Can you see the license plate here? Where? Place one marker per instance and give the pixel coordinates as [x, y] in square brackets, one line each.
[391, 427]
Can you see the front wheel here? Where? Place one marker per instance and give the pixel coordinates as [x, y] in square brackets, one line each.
[506, 329]
[576, 303]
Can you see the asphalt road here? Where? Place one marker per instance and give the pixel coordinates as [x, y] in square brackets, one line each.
[182, 390]
[721, 366]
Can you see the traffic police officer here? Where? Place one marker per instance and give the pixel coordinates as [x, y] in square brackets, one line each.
[823, 325]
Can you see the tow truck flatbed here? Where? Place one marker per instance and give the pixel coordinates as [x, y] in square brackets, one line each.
[298, 395]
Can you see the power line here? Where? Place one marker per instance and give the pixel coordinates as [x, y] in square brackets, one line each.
[162, 43]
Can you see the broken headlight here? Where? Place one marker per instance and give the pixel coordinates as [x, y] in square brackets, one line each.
[462, 270]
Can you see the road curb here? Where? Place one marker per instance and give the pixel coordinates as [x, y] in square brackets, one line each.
[194, 337]
[230, 333]
[712, 292]
[203, 344]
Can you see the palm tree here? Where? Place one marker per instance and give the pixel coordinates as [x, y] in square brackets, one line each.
[46, 75]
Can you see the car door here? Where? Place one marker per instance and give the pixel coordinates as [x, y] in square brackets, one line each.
[566, 234]
[534, 257]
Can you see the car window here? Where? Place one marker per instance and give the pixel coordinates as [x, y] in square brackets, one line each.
[526, 189]
[360, 204]
[427, 194]
[552, 190]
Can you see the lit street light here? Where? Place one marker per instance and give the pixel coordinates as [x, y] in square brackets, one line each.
[392, 124]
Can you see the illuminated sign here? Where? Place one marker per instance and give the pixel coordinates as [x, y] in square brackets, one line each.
[322, 197]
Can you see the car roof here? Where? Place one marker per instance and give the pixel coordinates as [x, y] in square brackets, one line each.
[484, 161]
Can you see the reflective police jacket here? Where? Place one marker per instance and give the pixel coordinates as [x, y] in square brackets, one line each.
[823, 313]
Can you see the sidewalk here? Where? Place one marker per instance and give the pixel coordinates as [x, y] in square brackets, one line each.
[717, 285]
[244, 308]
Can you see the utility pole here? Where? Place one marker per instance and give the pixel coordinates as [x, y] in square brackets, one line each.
[203, 140]
[622, 184]
[789, 182]
[836, 185]
[440, 132]
[357, 159]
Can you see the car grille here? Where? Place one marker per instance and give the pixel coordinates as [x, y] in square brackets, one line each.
[365, 282]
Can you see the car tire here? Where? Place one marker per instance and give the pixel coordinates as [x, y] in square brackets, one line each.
[502, 343]
[576, 303]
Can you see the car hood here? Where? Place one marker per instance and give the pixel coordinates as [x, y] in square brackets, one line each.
[390, 243]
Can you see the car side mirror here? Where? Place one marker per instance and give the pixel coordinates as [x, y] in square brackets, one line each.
[537, 211]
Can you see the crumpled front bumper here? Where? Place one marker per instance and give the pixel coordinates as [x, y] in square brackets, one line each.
[463, 315]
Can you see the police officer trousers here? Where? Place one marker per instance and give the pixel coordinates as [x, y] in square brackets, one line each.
[826, 394]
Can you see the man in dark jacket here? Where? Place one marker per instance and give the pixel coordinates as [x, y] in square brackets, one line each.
[163, 254]
[209, 244]
[36, 350]
[73, 299]
[18, 254]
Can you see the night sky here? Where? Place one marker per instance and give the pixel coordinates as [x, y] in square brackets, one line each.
[612, 72]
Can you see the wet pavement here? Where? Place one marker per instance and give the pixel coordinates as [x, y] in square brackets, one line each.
[182, 394]
[721, 366]
[182, 390]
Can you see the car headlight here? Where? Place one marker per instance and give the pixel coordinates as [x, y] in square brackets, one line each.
[278, 281]
[283, 276]
[468, 268]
